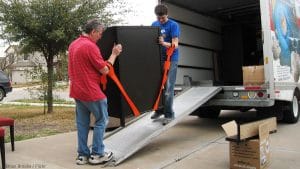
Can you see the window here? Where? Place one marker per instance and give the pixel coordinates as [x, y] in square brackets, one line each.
[26, 57]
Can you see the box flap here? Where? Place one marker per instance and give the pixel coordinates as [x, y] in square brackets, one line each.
[252, 129]
[230, 128]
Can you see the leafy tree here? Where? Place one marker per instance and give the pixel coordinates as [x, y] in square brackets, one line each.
[48, 26]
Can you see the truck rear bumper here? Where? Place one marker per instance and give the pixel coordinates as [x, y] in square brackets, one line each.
[241, 103]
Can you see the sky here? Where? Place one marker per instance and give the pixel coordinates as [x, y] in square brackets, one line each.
[143, 12]
[3, 47]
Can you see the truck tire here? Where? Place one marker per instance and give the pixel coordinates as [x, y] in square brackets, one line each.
[291, 112]
[2, 94]
[207, 112]
[274, 111]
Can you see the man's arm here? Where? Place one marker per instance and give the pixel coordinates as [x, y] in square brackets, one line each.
[117, 49]
[175, 42]
[175, 31]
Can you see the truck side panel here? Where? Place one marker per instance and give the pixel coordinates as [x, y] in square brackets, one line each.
[285, 44]
[267, 47]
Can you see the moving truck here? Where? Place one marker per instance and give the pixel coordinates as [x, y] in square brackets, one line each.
[234, 54]
[250, 48]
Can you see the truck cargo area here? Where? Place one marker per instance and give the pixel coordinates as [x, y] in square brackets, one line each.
[229, 34]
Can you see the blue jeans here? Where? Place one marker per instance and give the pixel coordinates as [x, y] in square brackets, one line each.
[169, 91]
[83, 110]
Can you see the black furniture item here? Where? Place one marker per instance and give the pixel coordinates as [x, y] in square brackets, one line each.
[138, 68]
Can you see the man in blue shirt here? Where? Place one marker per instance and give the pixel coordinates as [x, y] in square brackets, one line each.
[169, 36]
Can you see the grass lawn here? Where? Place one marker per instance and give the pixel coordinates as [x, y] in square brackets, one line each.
[55, 101]
[31, 122]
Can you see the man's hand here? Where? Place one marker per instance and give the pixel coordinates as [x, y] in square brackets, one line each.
[161, 40]
[117, 49]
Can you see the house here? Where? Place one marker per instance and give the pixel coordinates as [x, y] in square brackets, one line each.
[26, 68]
[19, 67]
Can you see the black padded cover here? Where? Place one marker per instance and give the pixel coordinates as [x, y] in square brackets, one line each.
[138, 67]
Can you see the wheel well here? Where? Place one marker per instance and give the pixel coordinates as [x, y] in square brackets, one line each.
[1, 88]
[297, 93]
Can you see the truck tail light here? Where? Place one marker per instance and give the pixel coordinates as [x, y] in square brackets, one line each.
[260, 94]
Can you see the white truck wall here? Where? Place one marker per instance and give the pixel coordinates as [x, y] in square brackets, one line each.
[267, 47]
[200, 38]
[280, 70]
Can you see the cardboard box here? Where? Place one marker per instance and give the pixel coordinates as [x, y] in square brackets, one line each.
[253, 151]
[253, 75]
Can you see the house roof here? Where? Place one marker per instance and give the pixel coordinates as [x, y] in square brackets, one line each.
[10, 46]
[24, 64]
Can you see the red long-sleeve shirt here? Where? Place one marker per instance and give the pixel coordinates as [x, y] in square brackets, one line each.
[85, 63]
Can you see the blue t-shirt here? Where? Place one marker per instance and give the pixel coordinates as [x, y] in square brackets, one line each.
[169, 30]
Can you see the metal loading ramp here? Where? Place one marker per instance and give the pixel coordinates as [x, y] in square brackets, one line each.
[126, 141]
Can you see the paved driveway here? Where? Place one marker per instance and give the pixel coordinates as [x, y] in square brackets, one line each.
[192, 144]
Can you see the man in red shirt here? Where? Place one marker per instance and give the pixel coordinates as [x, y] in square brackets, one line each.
[85, 68]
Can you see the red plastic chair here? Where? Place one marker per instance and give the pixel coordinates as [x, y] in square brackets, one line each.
[2, 147]
[5, 121]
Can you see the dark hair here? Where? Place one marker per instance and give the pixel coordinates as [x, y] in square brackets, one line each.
[90, 25]
[161, 10]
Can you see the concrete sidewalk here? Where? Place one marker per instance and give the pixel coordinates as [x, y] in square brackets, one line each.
[192, 144]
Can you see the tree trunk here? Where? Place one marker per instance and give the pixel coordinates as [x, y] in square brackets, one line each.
[50, 84]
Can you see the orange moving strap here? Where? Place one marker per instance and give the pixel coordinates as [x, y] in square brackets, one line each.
[113, 76]
[103, 81]
[167, 65]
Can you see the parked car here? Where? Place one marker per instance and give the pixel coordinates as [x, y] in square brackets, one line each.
[5, 85]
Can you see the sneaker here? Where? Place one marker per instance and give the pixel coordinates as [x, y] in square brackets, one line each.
[167, 120]
[98, 159]
[81, 160]
[156, 115]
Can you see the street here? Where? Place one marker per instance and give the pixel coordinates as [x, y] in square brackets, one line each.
[23, 93]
